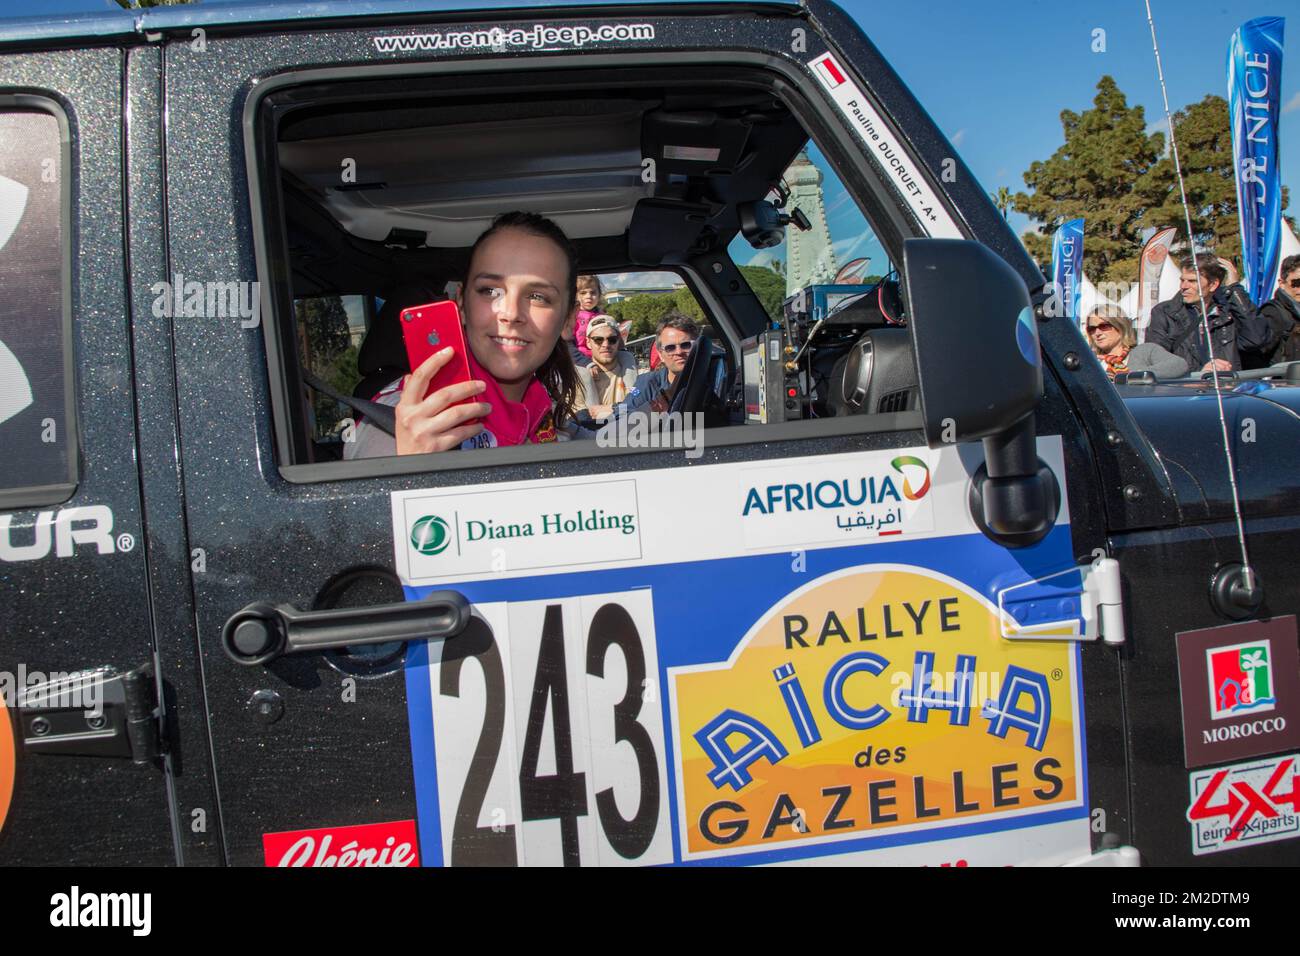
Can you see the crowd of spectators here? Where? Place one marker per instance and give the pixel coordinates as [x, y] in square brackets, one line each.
[1230, 335]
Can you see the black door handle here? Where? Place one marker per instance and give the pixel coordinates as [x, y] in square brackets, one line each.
[264, 631]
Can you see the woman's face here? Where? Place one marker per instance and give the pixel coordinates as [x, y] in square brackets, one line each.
[514, 304]
[1103, 334]
[588, 299]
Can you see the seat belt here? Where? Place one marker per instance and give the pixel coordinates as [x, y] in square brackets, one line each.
[382, 416]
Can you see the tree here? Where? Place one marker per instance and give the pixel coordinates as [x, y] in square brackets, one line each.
[1204, 133]
[325, 329]
[325, 344]
[1002, 199]
[1092, 176]
[684, 302]
[768, 286]
[644, 310]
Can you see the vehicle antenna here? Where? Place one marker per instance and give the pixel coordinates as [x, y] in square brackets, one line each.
[1248, 576]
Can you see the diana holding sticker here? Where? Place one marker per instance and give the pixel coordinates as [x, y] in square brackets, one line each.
[517, 296]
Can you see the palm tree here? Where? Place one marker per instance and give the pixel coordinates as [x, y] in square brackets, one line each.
[1002, 199]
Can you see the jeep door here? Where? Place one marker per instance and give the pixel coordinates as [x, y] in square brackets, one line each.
[610, 696]
[81, 779]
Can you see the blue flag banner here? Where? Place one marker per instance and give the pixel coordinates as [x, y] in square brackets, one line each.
[1254, 84]
[1067, 265]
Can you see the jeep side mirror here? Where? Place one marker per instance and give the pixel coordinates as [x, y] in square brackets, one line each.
[979, 375]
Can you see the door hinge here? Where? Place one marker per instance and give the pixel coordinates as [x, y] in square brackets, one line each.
[93, 713]
[1078, 604]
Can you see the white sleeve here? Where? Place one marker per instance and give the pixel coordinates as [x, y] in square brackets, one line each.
[371, 441]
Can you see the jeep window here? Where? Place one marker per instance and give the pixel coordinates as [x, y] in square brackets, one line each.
[37, 429]
[839, 247]
[378, 188]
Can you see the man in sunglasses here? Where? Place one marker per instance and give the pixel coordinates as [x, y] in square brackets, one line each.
[1282, 312]
[674, 339]
[612, 372]
[1234, 328]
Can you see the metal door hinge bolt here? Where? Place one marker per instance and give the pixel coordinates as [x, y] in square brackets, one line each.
[267, 706]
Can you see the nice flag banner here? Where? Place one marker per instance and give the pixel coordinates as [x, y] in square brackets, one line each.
[1254, 82]
[1067, 265]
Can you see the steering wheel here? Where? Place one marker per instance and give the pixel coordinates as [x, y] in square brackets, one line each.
[690, 391]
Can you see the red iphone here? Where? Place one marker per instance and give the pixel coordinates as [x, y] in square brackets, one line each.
[431, 328]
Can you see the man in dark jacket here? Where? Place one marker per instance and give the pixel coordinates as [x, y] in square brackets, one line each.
[675, 338]
[1235, 328]
[1282, 313]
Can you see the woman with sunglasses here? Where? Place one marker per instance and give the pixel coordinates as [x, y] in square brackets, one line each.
[612, 372]
[1283, 315]
[1110, 333]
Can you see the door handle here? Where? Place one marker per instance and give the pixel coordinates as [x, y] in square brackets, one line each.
[263, 631]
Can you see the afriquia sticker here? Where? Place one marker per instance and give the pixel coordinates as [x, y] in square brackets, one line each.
[758, 662]
[1240, 687]
[1245, 804]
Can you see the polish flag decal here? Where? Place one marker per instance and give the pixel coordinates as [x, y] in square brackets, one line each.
[830, 71]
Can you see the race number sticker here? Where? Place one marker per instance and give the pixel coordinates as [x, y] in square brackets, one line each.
[784, 661]
[548, 735]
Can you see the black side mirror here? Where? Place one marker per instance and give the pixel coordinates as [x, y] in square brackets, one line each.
[979, 375]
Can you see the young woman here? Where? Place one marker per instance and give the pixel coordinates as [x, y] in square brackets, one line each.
[517, 295]
[1110, 333]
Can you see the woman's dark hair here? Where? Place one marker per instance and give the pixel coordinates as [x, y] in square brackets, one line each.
[557, 374]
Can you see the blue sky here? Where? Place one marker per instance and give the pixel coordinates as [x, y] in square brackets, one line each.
[995, 76]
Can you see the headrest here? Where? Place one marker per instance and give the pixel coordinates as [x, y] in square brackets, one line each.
[383, 348]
